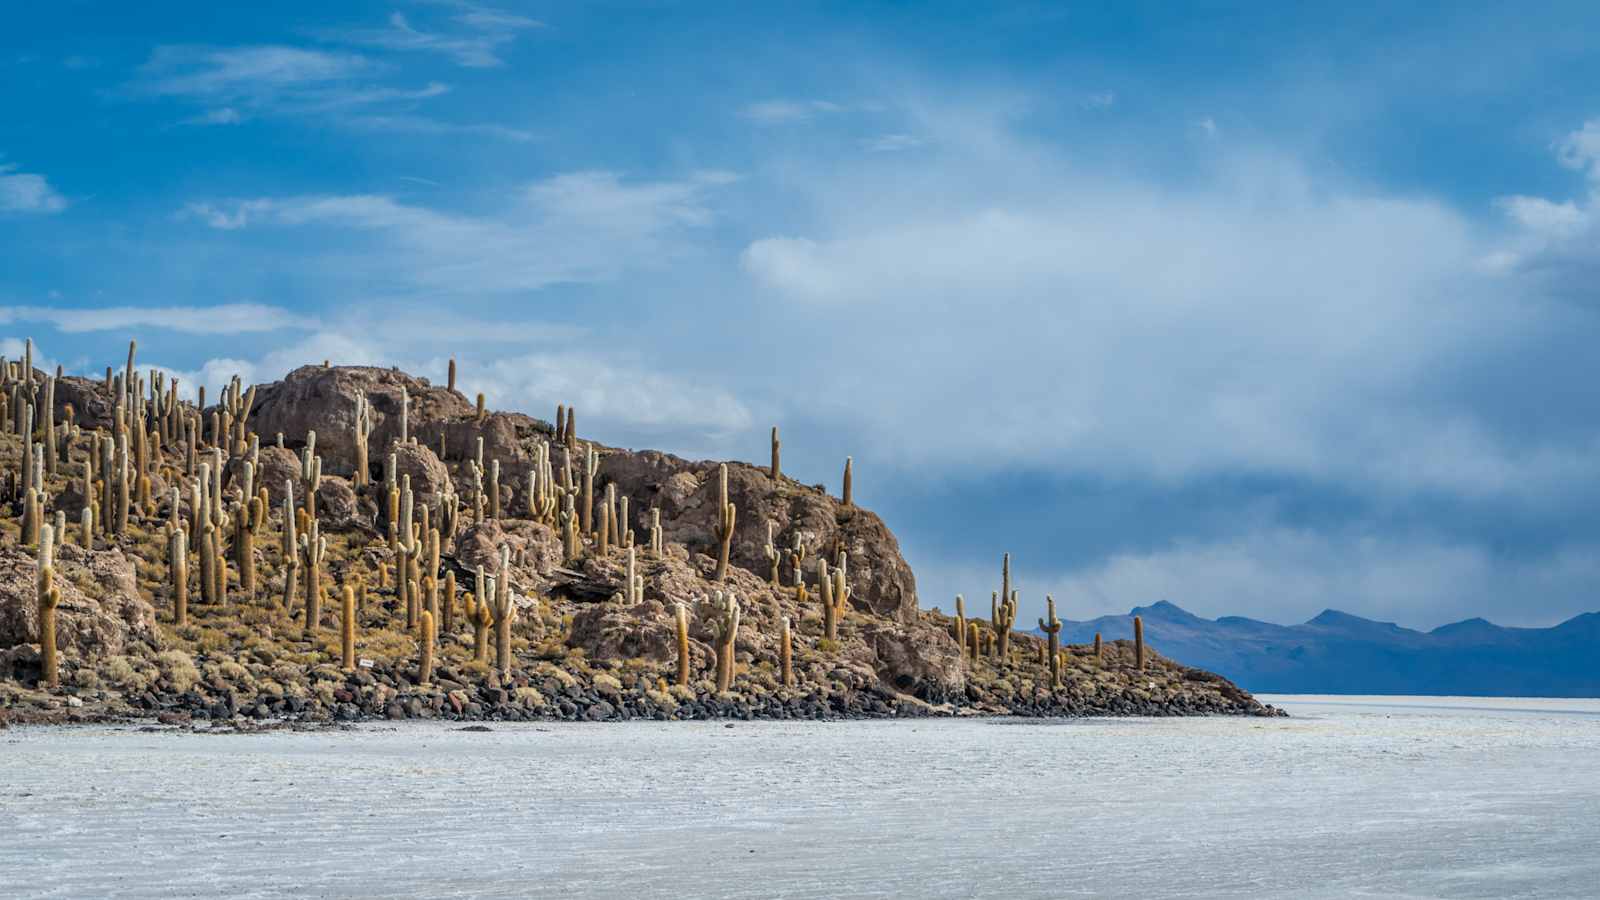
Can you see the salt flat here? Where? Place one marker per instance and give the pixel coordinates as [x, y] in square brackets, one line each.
[1414, 797]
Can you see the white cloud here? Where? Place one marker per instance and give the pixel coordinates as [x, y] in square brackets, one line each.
[575, 227]
[786, 112]
[1266, 318]
[227, 318]
[479, 49]
[225, 115]
[250, 74]
[26, 192]
[892, 143]
[1287, 576]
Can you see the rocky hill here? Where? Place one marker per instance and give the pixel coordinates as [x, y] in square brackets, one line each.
[358, 542]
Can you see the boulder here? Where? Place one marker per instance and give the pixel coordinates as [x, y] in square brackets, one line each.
[323, 399]
[101, 611]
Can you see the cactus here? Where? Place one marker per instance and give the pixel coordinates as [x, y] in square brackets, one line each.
[450, 379]
[847, 481]
[835, 594]
[786, 654]
[363, 430]
[777, 471]
[572, 428]
[347, 630]
[405, 415]
[681, 618]
[494, 489]
[480, 617]
[505, 612]
[447, 602]
[483, 409]
[1098, 653]
[49, 598]
[1051, 626]
[178, 567]
[591, 465]
[1138, 643]
[958, 626]
[773, 556]
[315, 548]
[726, 516]
[425, 663]
[655, 533]
[632, 593]
[602, 534]
[721, 615]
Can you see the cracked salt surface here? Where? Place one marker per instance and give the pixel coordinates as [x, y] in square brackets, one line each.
[1415, 797]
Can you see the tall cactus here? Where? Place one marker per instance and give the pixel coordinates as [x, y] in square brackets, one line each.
[773, 556]
[958, 625]
[1138, 643]
[786, 654]
[49, 597]
[726, 516]
[315, 548]
[777, 470]
[178, 566]
[848, 481]
[363, 430]
[591, 465]
[1098, 652]
[681, 620]
[505, 612]
[425, 663]
[347, 630]
[835, 593]
[721, 614]
[1051, 626]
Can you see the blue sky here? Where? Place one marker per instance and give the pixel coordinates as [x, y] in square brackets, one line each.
[1255, 309]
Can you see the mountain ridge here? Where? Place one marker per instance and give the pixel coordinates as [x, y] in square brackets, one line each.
[1337, 652]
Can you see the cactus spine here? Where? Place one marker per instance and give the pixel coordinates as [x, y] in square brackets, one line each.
[1051, 626]
[347, 630]
[726, 515]
[1138, 643]
[49, 598]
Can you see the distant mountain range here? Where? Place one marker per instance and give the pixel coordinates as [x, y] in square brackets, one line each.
[1338, 653]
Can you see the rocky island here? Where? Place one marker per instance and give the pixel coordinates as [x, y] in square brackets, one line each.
[353, 543]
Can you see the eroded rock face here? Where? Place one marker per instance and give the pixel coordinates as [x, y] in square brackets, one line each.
[314, 398]
[101, 611]
[428, 475]
[92, 406]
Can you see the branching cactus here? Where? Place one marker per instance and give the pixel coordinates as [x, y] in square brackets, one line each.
[1051, 626]
[632, 593]
[797, 558]
[315, 548]
[773, 556]
[571, 540]
[786, 654]
[721, 615]
[958, 629]
[655, 533]
[836, 598]
[1138, 643]
[591, 466]
[310, 473]
[681, 620]
[425, 663]
[347, 630]
[363, 430]
[49, 598]
[1005, 620]
[178, 568]
[505, 612]
[726, 516]
[481, 618]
